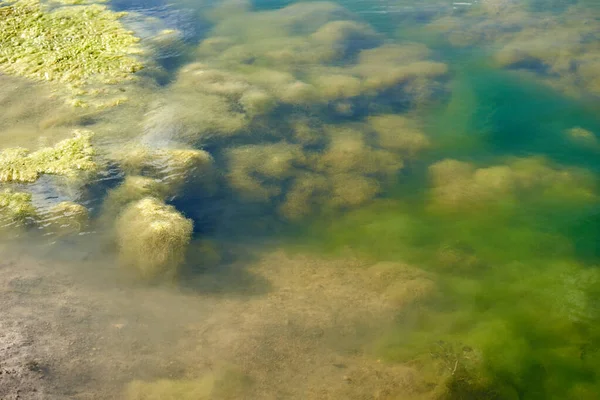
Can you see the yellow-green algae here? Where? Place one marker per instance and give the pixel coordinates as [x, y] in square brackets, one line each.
[133, 188]
[16, 207]
[496, 245]
[152, 238]
[67, 158]
[75, 46]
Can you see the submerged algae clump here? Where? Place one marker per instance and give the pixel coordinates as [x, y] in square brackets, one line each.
[256, 172]
[74, 45]
[67, 158]
[330, 59]
[460, 186]
[398, 133]
[132, 189]
[153, 238]
[558, 49]
[15, 207]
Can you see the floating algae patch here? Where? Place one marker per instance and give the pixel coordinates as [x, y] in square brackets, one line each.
[75, 46]
[16, 208]
[68, 158]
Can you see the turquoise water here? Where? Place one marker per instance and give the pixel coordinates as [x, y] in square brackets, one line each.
[428, 168]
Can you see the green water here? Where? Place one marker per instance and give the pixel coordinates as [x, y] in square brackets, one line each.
[477, 236]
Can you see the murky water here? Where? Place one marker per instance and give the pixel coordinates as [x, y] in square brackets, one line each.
[385, 199]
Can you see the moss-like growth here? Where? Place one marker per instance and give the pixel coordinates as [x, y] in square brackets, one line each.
[460, 186]
[257, 171]
[558, 50]
[67, 158]
[399, 133]
[304, 62]
[132, 189]
[305, 195]
[349, 190]
[337, 86]
[348, 152]
[152, 238]
[73, 45]
[16, 207]
[387, 66]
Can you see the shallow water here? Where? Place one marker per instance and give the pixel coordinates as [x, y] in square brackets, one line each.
[386, 199]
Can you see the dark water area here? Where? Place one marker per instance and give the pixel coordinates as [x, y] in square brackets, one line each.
[384, 199]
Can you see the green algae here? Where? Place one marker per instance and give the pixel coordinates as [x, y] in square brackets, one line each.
[16, 207]
[75, 46]
[539, 348]
[68, 158]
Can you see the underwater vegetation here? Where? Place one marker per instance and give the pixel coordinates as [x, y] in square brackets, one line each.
[460, 186]
[265, 113]
[152, 238]
[559, 49]
[317, 122]
[16, 207]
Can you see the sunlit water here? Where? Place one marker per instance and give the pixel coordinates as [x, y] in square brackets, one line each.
[401, 203]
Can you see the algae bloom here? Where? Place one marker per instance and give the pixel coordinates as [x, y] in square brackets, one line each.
[73, 45]
[66, 158]
[15, 207]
